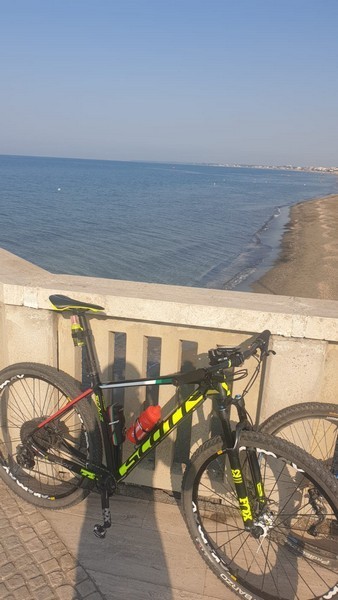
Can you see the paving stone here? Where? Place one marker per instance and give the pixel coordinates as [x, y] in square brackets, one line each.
[3, 591]
[50, 565]
[27, 509]
[35, 518]
[27, 533]
[42, 555]
[31, 571]
[11, 541]
[86, 587]
[19, 521]
[4, 523]
[11, 515]
[56, 579]
[42, 527]
[23, 562]
[34, 545]
[44, 593]
[15, 581]
[12, 511]
[6, 532]
[57, 549]
[7, 570]
[67, 562]
[22, 593]
[17, 552]
[36, 582]
[76, 575]
[66, 592]
[51, 537]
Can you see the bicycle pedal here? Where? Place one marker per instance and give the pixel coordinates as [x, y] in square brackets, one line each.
[100, 531]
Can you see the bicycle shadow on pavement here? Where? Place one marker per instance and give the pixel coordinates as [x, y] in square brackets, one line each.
[147, 550]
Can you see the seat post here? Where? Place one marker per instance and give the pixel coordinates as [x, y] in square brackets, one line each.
[89, 348]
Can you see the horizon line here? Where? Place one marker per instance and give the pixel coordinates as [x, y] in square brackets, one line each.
[285, 166]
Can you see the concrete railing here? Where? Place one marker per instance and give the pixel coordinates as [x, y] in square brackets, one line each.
[150, 328]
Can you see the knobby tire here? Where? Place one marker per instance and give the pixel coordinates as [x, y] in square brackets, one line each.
[30, 392]
[286, 563]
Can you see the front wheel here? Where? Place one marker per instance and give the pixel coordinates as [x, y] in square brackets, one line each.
[29, 393]
[295, 557]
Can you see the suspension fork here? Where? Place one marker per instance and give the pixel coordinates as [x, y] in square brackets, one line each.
[240, 484]
[250, 453]
[231, 441]
[224, 402]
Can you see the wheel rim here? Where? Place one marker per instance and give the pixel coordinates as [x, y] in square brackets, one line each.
[25, 400]
[287, 562]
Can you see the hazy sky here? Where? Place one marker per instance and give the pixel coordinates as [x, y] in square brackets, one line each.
[241, 81]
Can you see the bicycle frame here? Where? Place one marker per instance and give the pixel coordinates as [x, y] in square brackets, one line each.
[162, 430]
[120, 471]
[116, 469]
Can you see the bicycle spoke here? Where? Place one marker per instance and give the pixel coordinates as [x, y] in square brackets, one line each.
[26, 401]
[282, 562]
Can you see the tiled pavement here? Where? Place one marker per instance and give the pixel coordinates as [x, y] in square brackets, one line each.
[34, 563]
[54, 555]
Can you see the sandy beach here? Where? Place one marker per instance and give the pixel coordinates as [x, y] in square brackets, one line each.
[308, 264]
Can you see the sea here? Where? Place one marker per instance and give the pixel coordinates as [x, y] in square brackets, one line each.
[178, 224]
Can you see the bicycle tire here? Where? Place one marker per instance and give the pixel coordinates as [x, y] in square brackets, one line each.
[312, 426]
[30, 392]
[287, 563]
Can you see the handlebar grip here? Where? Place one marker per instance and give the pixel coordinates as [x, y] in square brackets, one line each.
[265, 336]
[258, 343]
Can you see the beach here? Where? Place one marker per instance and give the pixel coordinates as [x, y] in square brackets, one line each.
[308, 263]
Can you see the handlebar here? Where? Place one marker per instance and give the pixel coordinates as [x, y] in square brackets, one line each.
[225, 357]
[237, 355]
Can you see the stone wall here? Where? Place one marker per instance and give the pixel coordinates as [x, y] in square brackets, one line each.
[181, 324]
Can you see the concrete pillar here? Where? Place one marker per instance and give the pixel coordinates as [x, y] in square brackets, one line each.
[30, 335]
[294, 375]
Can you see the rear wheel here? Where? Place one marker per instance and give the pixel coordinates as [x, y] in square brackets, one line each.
[29, 393]
[295, 554]
[310, 425]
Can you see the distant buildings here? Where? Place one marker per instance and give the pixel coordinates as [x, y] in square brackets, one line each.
[333, 170]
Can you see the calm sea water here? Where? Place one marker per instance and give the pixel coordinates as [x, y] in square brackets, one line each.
[165, 223]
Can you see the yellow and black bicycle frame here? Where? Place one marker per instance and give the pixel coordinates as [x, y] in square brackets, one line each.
[116, 470]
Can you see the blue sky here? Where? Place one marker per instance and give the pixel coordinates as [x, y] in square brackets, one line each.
[241, 81]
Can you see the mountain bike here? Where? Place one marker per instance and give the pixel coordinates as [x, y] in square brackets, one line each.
[311, 425]
[261, 512]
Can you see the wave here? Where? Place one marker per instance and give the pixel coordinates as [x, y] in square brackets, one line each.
[259, 255]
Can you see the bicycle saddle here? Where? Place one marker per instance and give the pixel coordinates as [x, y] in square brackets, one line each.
[61, 302]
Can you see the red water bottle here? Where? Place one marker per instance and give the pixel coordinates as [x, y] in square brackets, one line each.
[143, 424]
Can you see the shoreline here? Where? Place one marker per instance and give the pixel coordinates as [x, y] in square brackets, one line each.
[307, 264]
